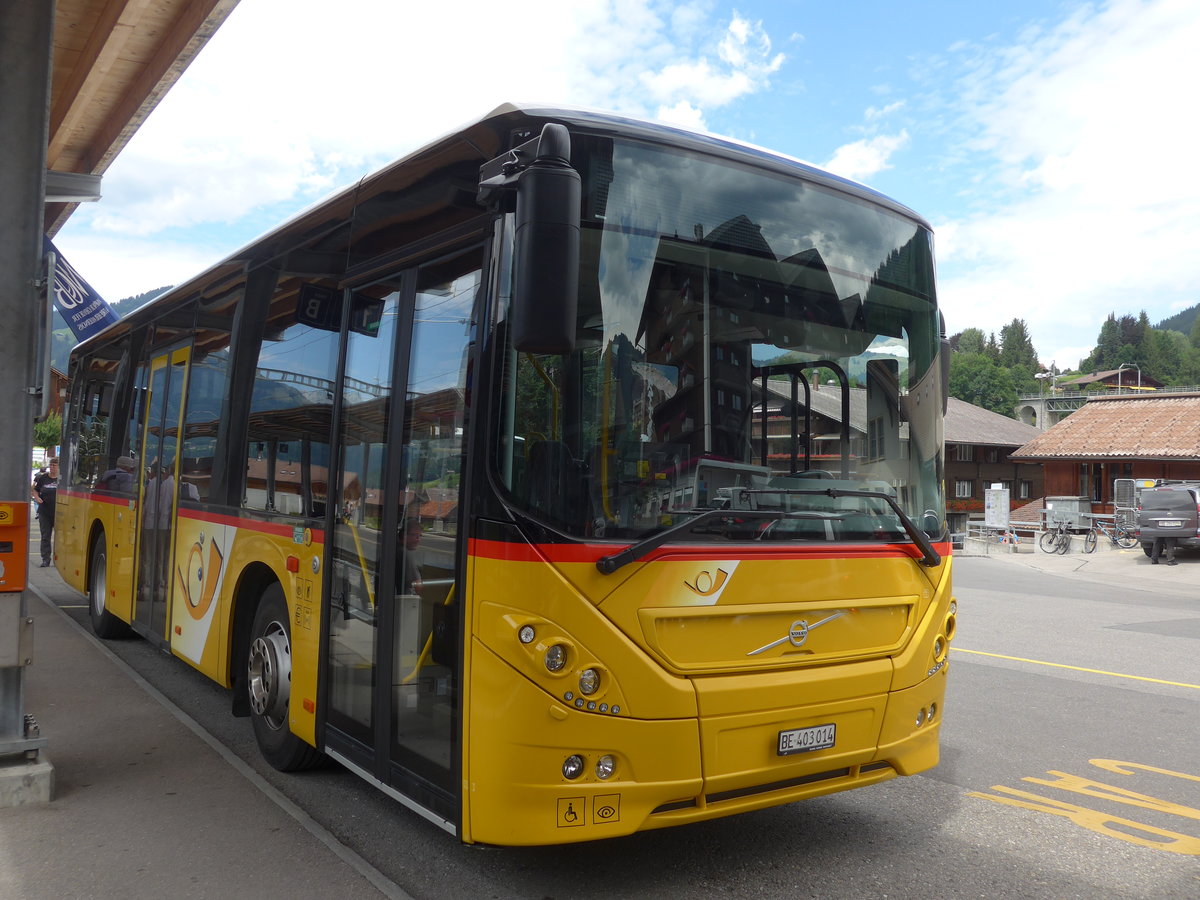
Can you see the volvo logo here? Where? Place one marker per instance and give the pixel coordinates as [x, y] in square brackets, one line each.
[798, 633]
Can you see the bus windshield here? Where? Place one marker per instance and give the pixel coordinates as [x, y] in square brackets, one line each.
[747, 339]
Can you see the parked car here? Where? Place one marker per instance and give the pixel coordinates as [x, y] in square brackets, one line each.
[1171, 510]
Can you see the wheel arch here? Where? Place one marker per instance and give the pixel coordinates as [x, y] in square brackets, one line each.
[252, 583]
[95, 531]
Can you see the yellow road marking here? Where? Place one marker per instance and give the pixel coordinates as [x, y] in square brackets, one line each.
[1042, 662]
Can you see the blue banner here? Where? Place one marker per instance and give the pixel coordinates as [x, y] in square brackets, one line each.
[81, 307]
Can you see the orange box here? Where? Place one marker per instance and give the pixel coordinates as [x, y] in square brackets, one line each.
[14, 545]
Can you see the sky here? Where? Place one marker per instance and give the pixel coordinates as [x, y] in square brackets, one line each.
[1051, 144]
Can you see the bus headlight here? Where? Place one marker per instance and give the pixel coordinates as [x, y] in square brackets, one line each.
[572, 766]
[589, 681]
[939, 648]
[556, 658]
[605, 766]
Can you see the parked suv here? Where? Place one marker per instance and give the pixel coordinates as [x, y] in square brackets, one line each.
[1170, 510]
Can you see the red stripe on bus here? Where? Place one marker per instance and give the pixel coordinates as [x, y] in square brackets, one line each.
[277, 529]
[590, 553]
[99, 498]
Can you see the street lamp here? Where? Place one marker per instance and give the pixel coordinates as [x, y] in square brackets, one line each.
[1129, 366]
[1042, 376]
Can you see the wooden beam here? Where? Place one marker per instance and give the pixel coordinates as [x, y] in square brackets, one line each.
[195, 24]
[117, 22]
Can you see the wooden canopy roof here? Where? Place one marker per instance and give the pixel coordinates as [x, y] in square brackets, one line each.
[113, 60]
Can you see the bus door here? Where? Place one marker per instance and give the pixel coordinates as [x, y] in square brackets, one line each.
[397, 542]
[157, 480]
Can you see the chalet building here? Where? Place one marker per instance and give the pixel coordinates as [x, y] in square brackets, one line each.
[980, 447]
[823, 427]
[1126, 379]
[1110, 437]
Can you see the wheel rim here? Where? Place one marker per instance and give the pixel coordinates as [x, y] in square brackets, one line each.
[99, 585]
[270, 671]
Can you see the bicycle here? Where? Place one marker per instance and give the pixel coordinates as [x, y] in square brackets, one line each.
[1117, 534]
[1056, 539]
[1004, 536]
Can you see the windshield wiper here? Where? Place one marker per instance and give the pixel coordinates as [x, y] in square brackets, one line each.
[930, 557]
[609, 564]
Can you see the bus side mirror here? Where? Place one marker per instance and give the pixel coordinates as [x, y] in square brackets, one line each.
[546, 248]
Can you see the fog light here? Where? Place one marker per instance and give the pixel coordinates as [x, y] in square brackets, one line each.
[556, 658]
[932, 711]
[526, 634]
[572, 766]
[920, 717]
[605, 766]
[939, 648]
[589, 681]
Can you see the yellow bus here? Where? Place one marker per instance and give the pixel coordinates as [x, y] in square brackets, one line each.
[569, 477]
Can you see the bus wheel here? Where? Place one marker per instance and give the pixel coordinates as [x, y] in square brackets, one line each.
[269, 682]
[104, 623]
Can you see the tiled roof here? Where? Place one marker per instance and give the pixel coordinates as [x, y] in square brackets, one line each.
[828, 402]
[969, 424]
[1030, 513]
[1145, 427]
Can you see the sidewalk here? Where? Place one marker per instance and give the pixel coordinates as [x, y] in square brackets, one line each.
[143, 805]
[1106, 565]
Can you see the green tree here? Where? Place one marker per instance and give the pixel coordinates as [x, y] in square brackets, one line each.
[1023, 381]
[992, 348]
[977, 379]
[1108, 347]
[1195, 335]
[1016, 346]
[970, 340]
[1166, 355]
[47, 434]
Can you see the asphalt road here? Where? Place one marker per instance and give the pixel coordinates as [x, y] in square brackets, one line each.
[1069, 769]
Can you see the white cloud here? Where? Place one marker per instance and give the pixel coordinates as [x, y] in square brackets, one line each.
[745, 65]
[1091, 202]
[864, 158]
[874, 113]
[683, 114]
[293, 98]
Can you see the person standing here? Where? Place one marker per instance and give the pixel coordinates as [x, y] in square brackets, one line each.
[44, 491]
[1161, 545]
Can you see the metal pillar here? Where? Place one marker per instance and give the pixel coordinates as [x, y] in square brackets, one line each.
[26, 32]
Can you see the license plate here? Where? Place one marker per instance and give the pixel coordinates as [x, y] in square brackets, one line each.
[804, 740]
[1170, 523]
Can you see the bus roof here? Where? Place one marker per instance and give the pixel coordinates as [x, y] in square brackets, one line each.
[442, 175]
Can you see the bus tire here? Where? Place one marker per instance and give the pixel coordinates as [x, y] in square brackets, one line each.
[104, 623]
[269, 686]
